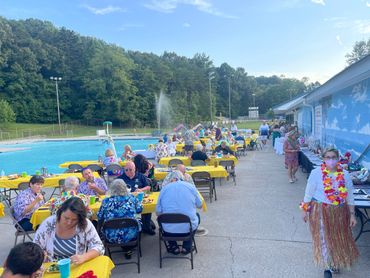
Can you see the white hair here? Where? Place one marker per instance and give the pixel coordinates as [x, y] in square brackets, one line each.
[118, 188]
[70, 183]
[199, 147]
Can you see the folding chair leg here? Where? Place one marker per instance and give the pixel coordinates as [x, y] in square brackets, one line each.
[15, 240]
[214, 190]
[160, 252]
[138, 260]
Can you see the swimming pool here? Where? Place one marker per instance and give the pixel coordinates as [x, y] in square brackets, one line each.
[50, 154]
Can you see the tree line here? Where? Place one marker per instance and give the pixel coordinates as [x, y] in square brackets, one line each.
[106, 82]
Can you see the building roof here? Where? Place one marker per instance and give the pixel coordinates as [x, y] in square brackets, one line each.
[289, 105]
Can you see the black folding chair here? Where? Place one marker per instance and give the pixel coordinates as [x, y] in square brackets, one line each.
[75, 167]
[198, 163]
[135, 244]
[229, 165]
[96, 168]
[205, 184]
[19, 230]
[113, 171]
[175, 218]
[174, 162]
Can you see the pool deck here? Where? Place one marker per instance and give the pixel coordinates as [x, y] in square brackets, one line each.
[7, 150]
[254, 230]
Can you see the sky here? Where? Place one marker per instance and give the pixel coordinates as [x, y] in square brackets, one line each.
[294, 38]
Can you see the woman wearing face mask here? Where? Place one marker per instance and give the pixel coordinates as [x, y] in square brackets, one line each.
[328, 205]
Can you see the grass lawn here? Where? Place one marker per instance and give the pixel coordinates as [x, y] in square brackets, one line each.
[20, 130]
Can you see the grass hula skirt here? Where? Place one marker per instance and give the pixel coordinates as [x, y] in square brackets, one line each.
[333, 243]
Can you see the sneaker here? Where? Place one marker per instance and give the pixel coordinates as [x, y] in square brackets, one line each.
[327, 274]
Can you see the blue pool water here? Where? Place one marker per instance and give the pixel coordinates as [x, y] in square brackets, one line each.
[50, 154]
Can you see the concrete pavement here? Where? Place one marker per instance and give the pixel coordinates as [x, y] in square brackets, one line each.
[254, 230]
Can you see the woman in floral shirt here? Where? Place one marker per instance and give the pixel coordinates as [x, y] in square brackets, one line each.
[120, 204]
[69, 234]
[28, 201]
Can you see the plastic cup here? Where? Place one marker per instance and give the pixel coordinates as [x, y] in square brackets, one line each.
[140, 196]
[38, 173]
[65, 267]
[24, 174]
[92, 200]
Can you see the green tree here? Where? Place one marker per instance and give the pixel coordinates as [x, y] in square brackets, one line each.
[7, 114]
[359, 51]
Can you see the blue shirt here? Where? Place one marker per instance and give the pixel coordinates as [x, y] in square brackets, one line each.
[179, 197]
[138, 181]
[119, 207]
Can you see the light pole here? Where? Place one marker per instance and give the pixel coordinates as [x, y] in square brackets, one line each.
[56, 79]
[228, 78]
[210, 77]
[254, 100]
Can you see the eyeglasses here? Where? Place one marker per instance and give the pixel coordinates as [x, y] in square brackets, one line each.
[330, 157]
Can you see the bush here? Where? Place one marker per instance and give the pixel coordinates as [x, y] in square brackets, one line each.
[7, 114]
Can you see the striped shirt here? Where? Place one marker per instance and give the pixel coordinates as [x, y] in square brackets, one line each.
[64, 248]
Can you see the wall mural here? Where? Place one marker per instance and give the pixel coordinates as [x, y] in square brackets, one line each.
[347, 124]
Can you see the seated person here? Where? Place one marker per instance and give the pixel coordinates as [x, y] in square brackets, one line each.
[145, 167]
[92, 185]
[69, 234]
[254, 137]
[178, 196]
[120, 204]
[187, 177]
[69, 190]
[223, 148]
[110, 158]
[28, 201]
[199, 154]
[218, 135]
[24, 260]
[137, 182]
[127, 154]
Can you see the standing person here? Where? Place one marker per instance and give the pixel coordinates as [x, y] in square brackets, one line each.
[275, 134]
[161, 150]
[234, 129]
[189, 138]
[328, 205]
[264, 132]
[291, 149]
[28, 201]
[92, 185]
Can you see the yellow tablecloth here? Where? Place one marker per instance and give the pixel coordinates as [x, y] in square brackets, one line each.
[187, 161]
[215, 172]
[43, 212]
[52, 181]
[102, 267]
[2, 214]
[85, 163]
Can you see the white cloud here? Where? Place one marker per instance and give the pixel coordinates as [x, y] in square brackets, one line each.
[186, 25]
[333, 125]
[339, 40]
[337, 105]
[321, 2]
[169, 6]
[103, 11]
[365, 129]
